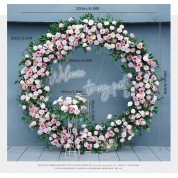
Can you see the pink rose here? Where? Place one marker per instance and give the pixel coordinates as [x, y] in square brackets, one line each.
[28, 63]
[33, 88]
[71, 110]
[118, 46]
[32, 124]
[132, 35]
[89, 146]
[139, 46]
[138, 77]
[24, 86]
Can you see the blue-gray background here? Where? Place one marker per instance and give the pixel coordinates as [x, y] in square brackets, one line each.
[150, 23]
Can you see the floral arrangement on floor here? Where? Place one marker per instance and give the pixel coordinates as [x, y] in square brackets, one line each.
[64, 122]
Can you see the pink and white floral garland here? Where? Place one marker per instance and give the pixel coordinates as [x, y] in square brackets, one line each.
[53, 47]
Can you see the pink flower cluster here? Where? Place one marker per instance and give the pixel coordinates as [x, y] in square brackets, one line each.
[72, 106]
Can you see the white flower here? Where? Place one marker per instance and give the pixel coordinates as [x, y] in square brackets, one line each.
[106, 23]
[112, 27]
[96, 145]
[89, 134]
[85, 20]
[138, 115]
[125, 32]
[142, 113]
[129, 127]
[130, 103]
[55, 102]
[47, 73]
[84, 135]
[27, 56]
[98, 127]
[109, 116]
[83, 125]
[47, 88]
[155, 98]
[88, 48]
[129, 138]
[74, 101]
[133, 111]
[61, 25]
[91, 22]
[24, 107]
[22, 82]
[77, 111]
[49, 35]
[41, 112]
[84, 45]
[112, 124]
[118, 122]
[64, 108]
[23, 97]
[157, 83]
[145, 57]
[95, 132]
[121, 26]
[70, 125]
[71, 19]
[27, 98]
[35, 48]
[114, 22]
[43, 105]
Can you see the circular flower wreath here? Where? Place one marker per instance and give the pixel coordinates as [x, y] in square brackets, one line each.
[53, 121]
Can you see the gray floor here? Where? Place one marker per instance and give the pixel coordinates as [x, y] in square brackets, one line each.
[40, 153]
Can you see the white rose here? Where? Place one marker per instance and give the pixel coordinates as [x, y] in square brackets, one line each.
[35, 48]
[89, 134]
[118, 122]
[47, 73]
[145, 58]
[142, 113]
[133, 111]
[129, 138]
[106, 23]
[77, 111]
[114, 22]
[84, 45]
[96, 145]
[109, 116]
[43, 105]
[112, 27]
[95, 132]
[71, 19]
[23, 97]
[91, 22]
[27, 56]
[138, 115]
[64, 108]
[125, 32]
[83, 125]
[157, 83]
[47, 88]
[130, 103]
[74, 101]
[22, 82]
[24, 107]
[54, 102]
[61, 25]
[85, 20]
[112, 124]
[129, 127]
[27, 98]
[121, 26]
[49, 35]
